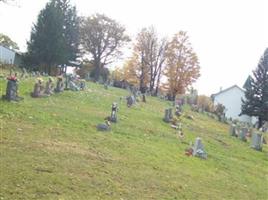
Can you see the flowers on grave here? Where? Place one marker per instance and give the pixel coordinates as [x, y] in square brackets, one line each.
[12, 78]
[189, 151]
[39, 80]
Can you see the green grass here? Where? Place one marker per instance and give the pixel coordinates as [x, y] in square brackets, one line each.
[50, 149]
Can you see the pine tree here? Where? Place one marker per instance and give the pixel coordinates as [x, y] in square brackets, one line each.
[256, 95]
[54, 39]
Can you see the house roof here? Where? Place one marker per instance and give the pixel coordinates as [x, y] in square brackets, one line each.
[225, 90]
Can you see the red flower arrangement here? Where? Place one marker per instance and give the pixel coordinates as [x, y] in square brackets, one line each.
[12, 78]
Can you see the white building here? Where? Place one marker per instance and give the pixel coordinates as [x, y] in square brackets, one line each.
[8, 56]
[231, 98]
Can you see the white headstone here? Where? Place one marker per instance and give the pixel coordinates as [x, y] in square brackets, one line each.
[198, 149]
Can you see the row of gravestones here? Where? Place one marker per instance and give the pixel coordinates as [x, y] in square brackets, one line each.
[222, 118]
[39, 90]
[242, 133]
[25, 74]
[197, 149]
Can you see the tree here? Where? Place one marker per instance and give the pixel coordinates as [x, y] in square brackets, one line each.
[54, 39]
[147, 60]
[102, 37]
[219, 111]
[132, 71]
[256, 94]
[182, 65]
[7, 42]
[154, 56]
[205, 103]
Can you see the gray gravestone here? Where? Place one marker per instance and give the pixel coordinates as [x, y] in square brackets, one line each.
[39, 89]
[130, 101]
[198, 149]
[233, 130]
[178, 111]
[59, 86]
[257, 140]
[166, 117]
[82, 85]
[49, 87]
[12, 91]
[170, 115]
[243, 133]
[104, 127]
[114, 112]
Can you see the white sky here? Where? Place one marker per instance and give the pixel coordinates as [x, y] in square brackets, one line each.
[229, 36]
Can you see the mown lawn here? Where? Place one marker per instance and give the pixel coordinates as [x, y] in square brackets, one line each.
[50, 149]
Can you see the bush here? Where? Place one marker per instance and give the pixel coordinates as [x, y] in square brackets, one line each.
[205, 103]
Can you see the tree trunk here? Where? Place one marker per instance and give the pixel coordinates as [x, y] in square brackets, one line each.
[97, 70]
[157, 85]
[143, 98]
[49, 69]
[260, 123]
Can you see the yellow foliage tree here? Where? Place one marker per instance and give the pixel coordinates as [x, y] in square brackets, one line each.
[205, 103]
[182, 65]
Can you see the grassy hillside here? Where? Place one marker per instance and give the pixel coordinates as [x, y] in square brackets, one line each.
[50, 149]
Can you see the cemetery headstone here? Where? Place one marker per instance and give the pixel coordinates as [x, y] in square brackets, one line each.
[38, 89]
[59, 85]
[257, 140]
[82, 84]
[104, 126]
[232, 130]
[130, 101]
[49, 87]
[178, 111]
[243, 133]
[114, 112]
[168, 115]
[198, 149]
[12, 89]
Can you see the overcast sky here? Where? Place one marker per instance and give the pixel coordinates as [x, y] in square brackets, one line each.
[229, 36]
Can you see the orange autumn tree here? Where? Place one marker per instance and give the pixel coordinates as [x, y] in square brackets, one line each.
[182, 65]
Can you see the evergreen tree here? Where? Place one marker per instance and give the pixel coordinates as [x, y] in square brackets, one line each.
[256, 101]
[54, 39]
